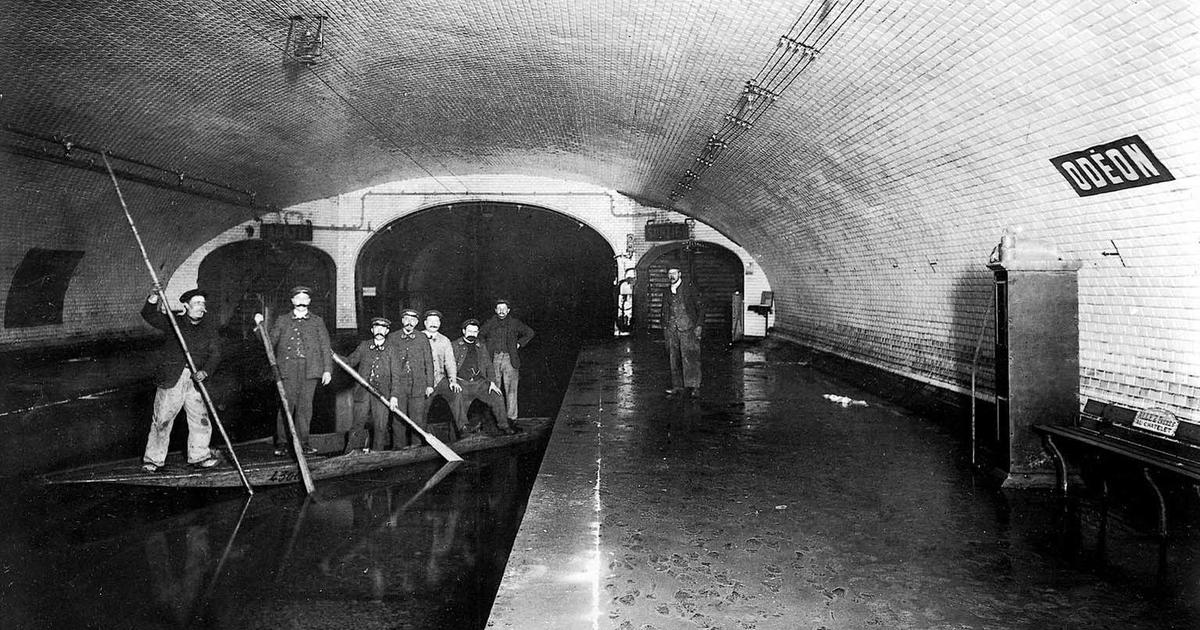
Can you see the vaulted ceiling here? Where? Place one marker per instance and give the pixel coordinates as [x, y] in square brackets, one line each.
[878, 103]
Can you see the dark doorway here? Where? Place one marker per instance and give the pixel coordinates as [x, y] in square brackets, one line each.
[459, 258]
[715, 270]
[245, 277]
[256, 276]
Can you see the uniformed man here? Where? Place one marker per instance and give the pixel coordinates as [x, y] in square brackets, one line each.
[305, 358]
[418, 368]
[381, 365]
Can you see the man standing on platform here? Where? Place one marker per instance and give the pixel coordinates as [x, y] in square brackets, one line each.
[381, 365]
[304, 356]
[174, 379]
[683, 323]
[506, 335]
[445, 370]
[418, 367]
[478, 382]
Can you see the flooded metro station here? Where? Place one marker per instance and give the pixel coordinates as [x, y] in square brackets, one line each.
[830, 315]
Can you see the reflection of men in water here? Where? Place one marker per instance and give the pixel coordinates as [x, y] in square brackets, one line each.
[505, 335]
[683, 322]
[178, 569]
[304, 356]
[418, 367]
[477, 380]
[382, 366]
[174, 379]
[445, 370]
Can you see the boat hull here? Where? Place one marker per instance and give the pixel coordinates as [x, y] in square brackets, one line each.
[263, 468]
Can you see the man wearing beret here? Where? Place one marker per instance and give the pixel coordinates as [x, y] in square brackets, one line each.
[305, 358]
[174, 379]
[418, 368]
[505, 335]
[445, 370]
[381, 365]
[478, 381]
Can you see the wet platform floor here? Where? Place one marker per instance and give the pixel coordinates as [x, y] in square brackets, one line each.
[763, 505]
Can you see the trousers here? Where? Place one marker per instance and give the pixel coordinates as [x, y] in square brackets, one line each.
[167, 403]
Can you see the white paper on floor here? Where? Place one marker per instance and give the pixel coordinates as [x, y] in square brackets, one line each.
[844, 401]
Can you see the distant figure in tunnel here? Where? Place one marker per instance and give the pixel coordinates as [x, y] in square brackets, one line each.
[174, 379]
[418, 371]
[683, 324]
[505, 335]
[477, 379]
[445, 369]
[382, 366]
[305, 358]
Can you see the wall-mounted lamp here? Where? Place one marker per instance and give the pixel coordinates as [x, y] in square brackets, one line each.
[305, 39]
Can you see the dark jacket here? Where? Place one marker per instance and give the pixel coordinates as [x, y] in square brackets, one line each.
[304, 340]
[693, 304]
[382, 368]
[504, 335]
[418, 357]
[483, 365]
[201, 339]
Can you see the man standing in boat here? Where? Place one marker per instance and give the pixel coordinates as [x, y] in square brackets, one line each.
[305, 358]
[445, 370]
[418, 368]
[478, 382]
[175, 382]
[506, 335]
[383, 367]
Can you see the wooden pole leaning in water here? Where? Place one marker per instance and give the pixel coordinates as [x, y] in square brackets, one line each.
[162, 297]
[437, 444]
[287, 410]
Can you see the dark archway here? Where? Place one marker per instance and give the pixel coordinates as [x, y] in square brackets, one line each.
[244, 277]
[717, 271]
[458, 258]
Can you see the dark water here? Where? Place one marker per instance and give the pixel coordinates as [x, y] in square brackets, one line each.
[373, 551]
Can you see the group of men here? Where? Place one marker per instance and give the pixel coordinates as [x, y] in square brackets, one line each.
[410, 368]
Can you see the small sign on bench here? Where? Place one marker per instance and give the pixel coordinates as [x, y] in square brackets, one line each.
[1158, 421]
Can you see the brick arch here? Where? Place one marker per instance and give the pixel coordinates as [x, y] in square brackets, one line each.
[716, 270]
[243, 277]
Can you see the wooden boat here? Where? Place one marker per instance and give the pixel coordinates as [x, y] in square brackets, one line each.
[264, 468]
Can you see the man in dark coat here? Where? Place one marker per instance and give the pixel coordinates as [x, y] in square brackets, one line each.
[175, 382]
[506, 335]
[683, 323]
[381, 365]
[305, 358]
[477, 379]
[414, 348]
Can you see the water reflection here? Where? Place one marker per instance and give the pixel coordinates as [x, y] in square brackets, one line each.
[421, 548]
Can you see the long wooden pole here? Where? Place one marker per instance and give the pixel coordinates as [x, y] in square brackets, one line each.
[287, 410]
[437, 444]
[162, 296]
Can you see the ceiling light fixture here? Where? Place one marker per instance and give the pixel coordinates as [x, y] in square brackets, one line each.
[305, 39]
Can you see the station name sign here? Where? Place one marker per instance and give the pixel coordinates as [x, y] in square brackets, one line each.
[1113, 166]
[666, 231]
[287, 231]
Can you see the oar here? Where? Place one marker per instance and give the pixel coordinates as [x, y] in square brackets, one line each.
[287, 410]
[162, 296]
[437, 444]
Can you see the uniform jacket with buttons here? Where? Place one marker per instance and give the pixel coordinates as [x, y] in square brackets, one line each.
[302, 340]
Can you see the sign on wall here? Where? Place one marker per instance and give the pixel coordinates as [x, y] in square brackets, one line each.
[1113, 166]
[666, 231]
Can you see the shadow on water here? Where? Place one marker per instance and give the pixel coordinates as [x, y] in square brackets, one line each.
[419, 547]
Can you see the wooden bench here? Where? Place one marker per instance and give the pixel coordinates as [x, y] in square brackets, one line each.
[1148, 438]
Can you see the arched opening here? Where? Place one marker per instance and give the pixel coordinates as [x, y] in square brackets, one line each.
[246, 277]
[458, 258]
[717, 271]
[256, 276]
